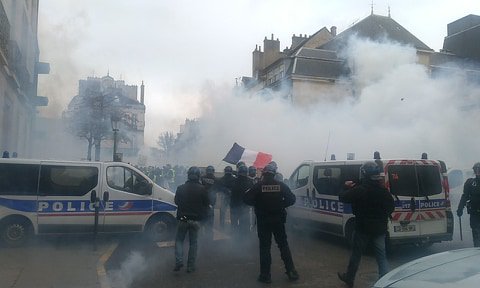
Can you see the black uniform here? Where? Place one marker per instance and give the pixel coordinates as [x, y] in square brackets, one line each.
[211, 184]
[238, 210]
[471, 199]
[270, 198]
[226, 185]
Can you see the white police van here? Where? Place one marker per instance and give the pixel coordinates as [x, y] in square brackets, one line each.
[420, 189]
[42, 197]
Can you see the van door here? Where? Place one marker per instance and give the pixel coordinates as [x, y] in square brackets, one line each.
[64, 197]
[421, 210]
[299, 184]
[327, 211]
[403, 184]
[129, 204]
[432, 202]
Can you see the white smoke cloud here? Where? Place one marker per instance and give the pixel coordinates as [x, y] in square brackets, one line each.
[134, 265]
[398, 109]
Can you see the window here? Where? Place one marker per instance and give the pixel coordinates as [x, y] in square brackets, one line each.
[327, 180]
[299, 178]
[122, 178]
[414, 180]
[67, 180]
[18, 179]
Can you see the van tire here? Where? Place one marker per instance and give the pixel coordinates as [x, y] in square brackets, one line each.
[16, 231]
[160, 227]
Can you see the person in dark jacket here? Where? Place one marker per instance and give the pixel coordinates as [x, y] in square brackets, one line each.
[226, 185]
[471, 199]
[270, 198]
[372, 206]
[211, 184]
[238, 210]
[192, 205]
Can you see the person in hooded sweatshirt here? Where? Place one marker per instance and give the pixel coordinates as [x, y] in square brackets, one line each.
[192, 203]
[372, 205]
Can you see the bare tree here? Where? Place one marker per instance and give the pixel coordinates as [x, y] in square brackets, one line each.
[166, 142]
[88, 117]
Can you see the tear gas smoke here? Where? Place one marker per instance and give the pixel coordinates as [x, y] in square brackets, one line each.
[398, 109]
[134, 265]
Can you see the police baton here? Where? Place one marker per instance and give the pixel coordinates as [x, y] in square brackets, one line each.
[460, 225]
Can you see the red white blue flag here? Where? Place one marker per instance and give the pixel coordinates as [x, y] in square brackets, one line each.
[251, 158]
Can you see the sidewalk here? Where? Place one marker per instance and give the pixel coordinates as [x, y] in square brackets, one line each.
[55, 262]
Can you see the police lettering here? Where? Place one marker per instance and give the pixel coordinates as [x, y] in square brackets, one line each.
[324, 204]
[70, 206]
[431, 204]
[270, 188]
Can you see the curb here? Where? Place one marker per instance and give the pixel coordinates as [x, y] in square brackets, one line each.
[101, 272]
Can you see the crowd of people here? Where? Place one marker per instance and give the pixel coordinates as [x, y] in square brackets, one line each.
[235, 191]
[168, 176]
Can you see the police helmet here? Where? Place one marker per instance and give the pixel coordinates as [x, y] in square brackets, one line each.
[228, 170]
[193, 173]
[240, 164]
[252, 171]
[476, 166]
[274, 164]
[270, 169]
[370, 170]
[242, 170]
[209, 170]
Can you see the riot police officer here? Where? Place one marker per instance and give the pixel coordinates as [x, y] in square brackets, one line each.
[270, 198]
[471, 199]
[226, 185]
[210, 182]
[238, 210]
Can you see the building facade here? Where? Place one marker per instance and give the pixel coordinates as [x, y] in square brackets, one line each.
[20, 67]
[311, 70]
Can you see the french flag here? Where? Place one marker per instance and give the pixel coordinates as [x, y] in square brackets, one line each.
[251, 158]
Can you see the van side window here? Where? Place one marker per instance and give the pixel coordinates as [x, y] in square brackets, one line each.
[300, 177]
[124, 179]
[18, 179]
[327, 180]
[67, 180]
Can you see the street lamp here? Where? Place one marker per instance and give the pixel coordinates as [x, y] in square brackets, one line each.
[114, 119]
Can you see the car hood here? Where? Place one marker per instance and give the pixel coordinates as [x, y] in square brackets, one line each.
[456, 268]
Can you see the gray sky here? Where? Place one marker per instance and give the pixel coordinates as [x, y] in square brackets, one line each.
[182, 48]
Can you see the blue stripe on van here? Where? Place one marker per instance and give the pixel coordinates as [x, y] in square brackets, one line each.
[19, 205]
[55, 206]
[420, 204]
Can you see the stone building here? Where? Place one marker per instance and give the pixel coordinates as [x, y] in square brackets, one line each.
[311, 70]
[20, 67]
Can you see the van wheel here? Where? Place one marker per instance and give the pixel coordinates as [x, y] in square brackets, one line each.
[160, 228]
[15, 232]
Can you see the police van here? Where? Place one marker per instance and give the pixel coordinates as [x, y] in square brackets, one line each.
[419, 187]
[45, 197]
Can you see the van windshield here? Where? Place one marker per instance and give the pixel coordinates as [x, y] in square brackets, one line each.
[414, 180]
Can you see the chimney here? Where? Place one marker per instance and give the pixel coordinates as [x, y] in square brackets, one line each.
[257, 61]
[296, 40]
[271, 51]
[142, 94]
[333, 31]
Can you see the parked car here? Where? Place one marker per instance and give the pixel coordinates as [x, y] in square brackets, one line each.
[456, 268]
